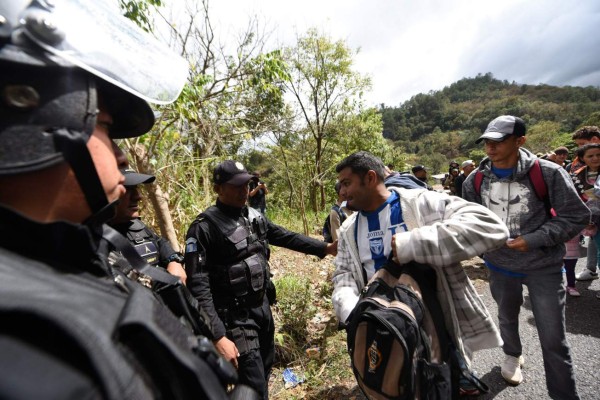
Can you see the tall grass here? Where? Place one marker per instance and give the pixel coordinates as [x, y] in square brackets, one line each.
[291, 219]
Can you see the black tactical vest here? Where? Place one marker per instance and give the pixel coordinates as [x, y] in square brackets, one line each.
[108, 327]
[144, 242]
[242, 274]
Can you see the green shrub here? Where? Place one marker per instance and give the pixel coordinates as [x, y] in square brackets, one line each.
[294, 308]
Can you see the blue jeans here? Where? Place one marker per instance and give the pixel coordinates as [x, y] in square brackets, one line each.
[547, 296]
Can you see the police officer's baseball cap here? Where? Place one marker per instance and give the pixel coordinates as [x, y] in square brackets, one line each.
[418, 168]
[503, 126]
[231, 172]
[133, 178]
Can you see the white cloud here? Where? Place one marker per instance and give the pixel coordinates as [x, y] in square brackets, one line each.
[410, 47]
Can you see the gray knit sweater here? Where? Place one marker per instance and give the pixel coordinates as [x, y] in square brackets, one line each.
[514, 200]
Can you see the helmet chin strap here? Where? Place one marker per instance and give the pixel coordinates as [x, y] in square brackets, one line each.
[74, 149]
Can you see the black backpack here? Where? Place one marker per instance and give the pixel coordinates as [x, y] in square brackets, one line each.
[327, 237]
[390, 350]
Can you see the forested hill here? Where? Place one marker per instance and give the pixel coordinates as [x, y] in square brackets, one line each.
[467, 106]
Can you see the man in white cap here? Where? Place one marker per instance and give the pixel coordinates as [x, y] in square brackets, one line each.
[467, 167]
[533, 255]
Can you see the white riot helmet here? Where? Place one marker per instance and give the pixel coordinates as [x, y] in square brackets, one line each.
[56, 58]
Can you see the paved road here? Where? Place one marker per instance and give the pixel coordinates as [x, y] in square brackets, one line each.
[583, 333]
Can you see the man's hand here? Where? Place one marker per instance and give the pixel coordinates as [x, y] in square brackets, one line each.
[174, 268]
[264, 187]
[331, 248]
[228, 350]
[518, 244]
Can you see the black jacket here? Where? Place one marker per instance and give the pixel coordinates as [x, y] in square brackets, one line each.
[71, 327]
[200, 261]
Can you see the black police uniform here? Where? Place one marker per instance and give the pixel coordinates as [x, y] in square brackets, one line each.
[226, 260]
[72, 327]
[155, 250]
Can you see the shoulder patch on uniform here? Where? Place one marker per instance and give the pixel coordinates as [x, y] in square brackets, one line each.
[191, 245]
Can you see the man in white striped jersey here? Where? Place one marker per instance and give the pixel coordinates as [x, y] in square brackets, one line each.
[417, 225]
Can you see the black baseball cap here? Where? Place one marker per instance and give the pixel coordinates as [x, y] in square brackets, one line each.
[418, 168]
[503, 126]
[231, 172]
[133, 178]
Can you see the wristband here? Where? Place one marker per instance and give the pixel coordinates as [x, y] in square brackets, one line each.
[177, 257]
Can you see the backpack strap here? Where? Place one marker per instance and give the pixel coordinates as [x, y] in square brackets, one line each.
[539, 184]
[478, 181]
[578, 170]
[537, 180]
[341, 214]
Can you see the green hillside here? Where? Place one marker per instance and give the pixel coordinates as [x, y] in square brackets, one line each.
[445, 123]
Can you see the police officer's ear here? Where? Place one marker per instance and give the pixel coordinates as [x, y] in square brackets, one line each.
[217, 188]
[521, 140]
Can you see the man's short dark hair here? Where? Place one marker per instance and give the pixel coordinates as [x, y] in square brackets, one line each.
[586, 132]
[362, 162]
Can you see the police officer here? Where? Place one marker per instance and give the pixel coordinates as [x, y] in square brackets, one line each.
[154, 249]
[226, 260]
[70, 326]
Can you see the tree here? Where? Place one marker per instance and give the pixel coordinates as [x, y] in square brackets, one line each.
[292, 155]
[541, 136]
[233, 94]
[592, 119]
[139, 11]
[324, 87]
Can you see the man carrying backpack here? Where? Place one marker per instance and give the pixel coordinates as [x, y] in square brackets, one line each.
[418, 225]
[533, 256]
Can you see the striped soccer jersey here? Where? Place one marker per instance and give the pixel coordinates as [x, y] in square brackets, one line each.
[374, 231]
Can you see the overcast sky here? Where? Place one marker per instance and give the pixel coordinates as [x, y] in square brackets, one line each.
[415, 46]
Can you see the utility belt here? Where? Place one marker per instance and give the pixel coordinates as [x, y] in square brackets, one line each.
[239, 304]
